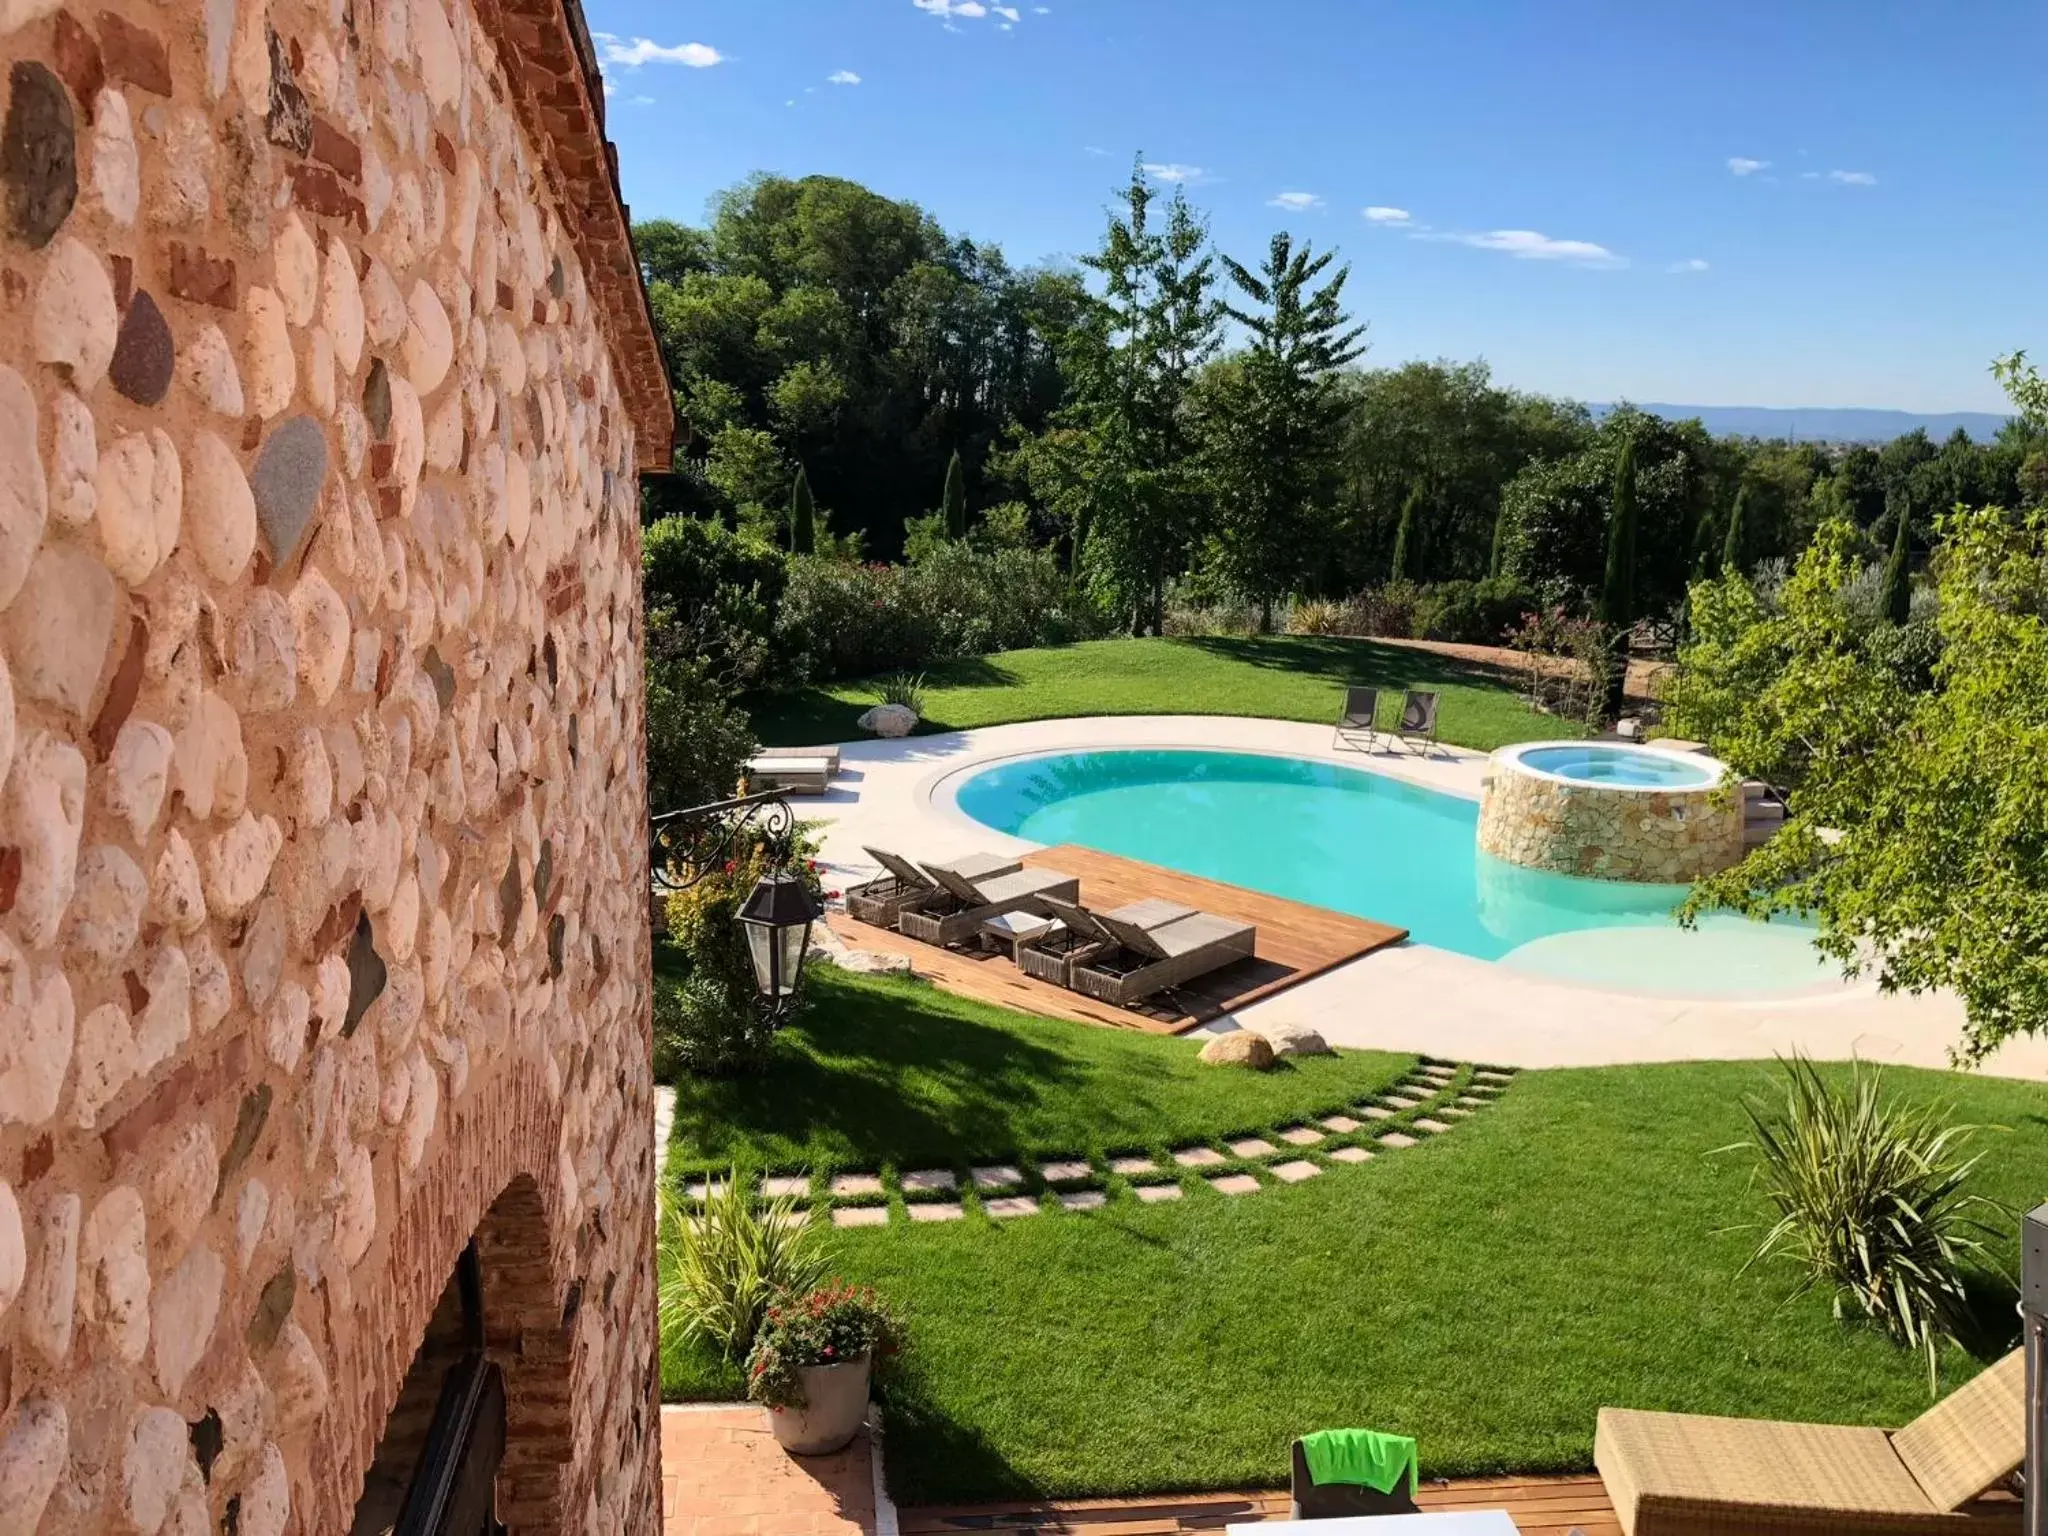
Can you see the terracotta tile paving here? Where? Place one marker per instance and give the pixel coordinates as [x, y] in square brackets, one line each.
[1297, 1171]
[722, 1474]
[1235, 1184]
[997, 1176]
[1152, 1194]
[1198, 1157]
[1253, 1146]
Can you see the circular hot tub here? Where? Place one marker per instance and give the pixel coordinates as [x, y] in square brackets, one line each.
[1610, 810]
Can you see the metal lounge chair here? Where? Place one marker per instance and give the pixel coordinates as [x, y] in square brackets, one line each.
[954, 915]
[1418, 719]
[1360, 718]
[1681, 1474]
[1081, 935]
[879, 901]
[1143, 963]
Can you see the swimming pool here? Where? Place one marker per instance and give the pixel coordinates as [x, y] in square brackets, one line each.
[1371, 845]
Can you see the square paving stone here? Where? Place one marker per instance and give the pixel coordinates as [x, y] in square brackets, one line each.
[1487, 1076]
[1012, 1205]
[1435, 1069]
[1083, 1199]
[1351, 1155]
[999, 1176]
[1301, 1136]
[1235, 1184]
[800, 1217]
[861, 1216]
[1451, 1111]
[1396, 1139]
[1434, 1127]
[798, 1185]
[701, 1190]
[1067, 1172]
[1343, 1125]
[1472, 1103]
[1253, 1146]
[1152, 1194]
[936, 1210]
[1130, 1165]
[1198, 1157]
[1400, 1101]
[927, 1179]
[1376, 1112]
[847, 1185]
[1296, 1171]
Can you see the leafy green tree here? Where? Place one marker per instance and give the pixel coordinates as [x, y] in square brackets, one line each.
[802, 515]
[1274, 419]
[1735, 542]
[1916, 820]
[953, 500]
[1898, 575]
[1404, 535]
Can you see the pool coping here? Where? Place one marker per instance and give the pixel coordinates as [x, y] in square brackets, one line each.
[1411, 996]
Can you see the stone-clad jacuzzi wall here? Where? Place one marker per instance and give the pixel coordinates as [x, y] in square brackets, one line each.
[323, 932]
[1659, 836]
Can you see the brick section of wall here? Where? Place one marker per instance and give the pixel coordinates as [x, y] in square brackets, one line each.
[323, 935]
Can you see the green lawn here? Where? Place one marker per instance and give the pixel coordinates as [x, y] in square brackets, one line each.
[895, 1074]
[1282, 677]
[1575, 1244]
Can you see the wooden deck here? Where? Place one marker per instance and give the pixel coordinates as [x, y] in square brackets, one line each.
[1295, 942]
[1539, 1506]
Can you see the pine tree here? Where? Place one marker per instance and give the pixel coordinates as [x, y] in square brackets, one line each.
[1617, 590]
[1898, 573]
[1404, 535]
[1734, 546]
[954, 501]
[803, 515]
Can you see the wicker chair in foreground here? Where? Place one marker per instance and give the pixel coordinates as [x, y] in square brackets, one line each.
[881, 900]
[1080, 935]
[955, 914]
[1679, 1474]
[1143, 962]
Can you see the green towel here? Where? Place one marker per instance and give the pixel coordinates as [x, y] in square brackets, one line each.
[1363, 1457]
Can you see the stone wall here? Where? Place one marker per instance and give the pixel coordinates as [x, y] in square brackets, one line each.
[323, 938]
[1659, 836]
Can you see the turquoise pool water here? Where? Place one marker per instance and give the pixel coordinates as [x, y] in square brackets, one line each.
[1629, 767]
[1371, 845]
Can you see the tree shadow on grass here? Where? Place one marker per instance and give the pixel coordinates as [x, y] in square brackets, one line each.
[1990, 1326]
[1365, 662]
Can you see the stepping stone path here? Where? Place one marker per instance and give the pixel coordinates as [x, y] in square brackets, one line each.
[1434, 1087]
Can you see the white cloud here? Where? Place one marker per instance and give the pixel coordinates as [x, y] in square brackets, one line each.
[974, 10]
[1041, 10]
[1173, 171]
[1690, 264]
[1853, 178]
[1094, 149]
[1008, 13]
[1379, 213]
[1296, 202]
[1530, 245]
[842, 77]
[610, 89]
[1742, 165]
[640, 101]
[643, 50]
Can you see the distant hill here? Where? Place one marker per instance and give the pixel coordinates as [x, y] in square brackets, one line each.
[1821, 424]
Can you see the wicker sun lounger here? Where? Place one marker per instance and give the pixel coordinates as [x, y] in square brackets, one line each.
[1081, 936]
[1142, 963]
[1678, 1474]
[955, 912]
[789, 773]
[903, 884]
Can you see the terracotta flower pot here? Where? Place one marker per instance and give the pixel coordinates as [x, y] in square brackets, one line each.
[835, 1403]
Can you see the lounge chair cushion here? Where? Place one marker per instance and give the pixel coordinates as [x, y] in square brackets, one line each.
[1198, 932]
[1669, 1472]
[1971, 1439]
[1025, 882]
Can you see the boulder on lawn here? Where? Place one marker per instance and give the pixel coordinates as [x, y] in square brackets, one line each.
[1240, 1048]
[889, 720]
[1294, 1040]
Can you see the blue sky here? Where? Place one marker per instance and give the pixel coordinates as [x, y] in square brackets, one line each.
[1815, 204]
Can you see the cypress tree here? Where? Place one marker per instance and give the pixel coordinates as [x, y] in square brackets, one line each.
[803, 531]
[1738, 533]
[1500, 538]
[954, 502]
[1404, 535]
[1898, 575]
[1617, 591]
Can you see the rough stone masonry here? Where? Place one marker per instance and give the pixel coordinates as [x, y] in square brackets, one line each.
[325, 377]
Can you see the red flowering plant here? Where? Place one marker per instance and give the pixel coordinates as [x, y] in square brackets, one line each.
[836, 1324]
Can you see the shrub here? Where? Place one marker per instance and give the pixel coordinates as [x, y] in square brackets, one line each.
[1471, 612]
[1316, 616]
[698, 741]
[721, 1273]
[705, 1026]
[905, 688]
[710, 595]
[831, 1326]
[1871, 1203]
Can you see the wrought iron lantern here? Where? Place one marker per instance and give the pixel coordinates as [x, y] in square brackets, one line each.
[778, 913]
